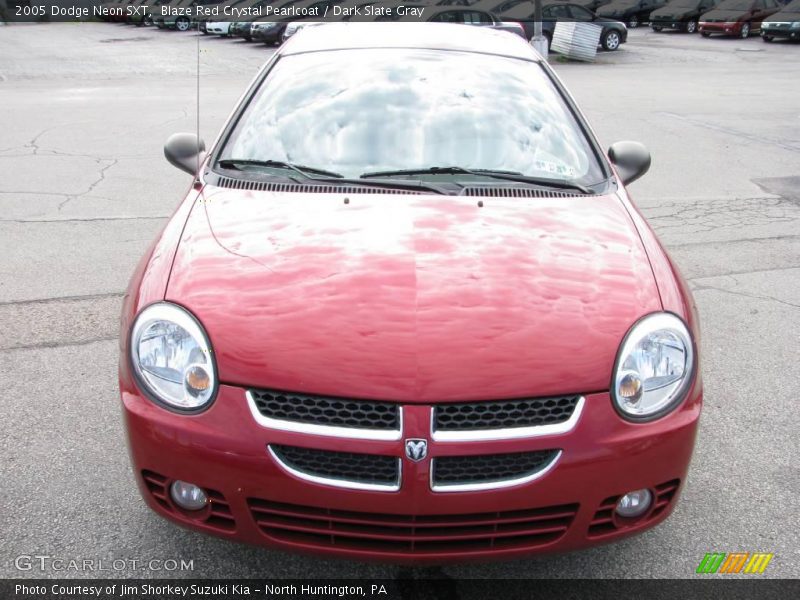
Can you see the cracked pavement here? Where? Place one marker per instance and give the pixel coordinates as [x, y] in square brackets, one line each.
[84, 188]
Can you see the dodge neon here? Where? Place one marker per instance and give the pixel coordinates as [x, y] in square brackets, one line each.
[408, 312]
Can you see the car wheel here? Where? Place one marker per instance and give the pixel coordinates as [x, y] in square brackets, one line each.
[767, 38]
[633, 23]
[691, 27]
[705, 34]
[656, 28]
[147, 21]
[745, 32]
[611, 40]
[182, 24]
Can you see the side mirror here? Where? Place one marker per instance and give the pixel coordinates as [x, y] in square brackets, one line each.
[631, 159]
[185, 151]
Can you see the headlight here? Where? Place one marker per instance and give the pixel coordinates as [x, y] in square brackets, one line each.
[796, 25]
[172, 357]
[654, 367]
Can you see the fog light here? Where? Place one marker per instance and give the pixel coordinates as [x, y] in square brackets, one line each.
[634, 504]
[188, 496]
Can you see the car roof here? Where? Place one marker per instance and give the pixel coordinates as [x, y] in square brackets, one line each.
[436, 36]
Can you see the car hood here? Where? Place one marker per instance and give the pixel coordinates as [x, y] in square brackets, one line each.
[616, 8]
[725, 15]
[413, 297]
[671, 13]
[784, 16]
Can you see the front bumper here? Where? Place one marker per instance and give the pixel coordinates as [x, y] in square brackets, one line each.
[727, 28]
[254, 500]
[669, 24]
[780, 32]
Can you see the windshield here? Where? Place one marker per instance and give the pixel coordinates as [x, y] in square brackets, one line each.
[735, 5]
[683, 3]
[353, 112]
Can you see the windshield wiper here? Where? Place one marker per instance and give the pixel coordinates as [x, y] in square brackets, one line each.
[235, 163]
[494, 174]
[328, 176]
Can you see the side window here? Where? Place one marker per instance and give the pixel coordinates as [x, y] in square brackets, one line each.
[579, 13]
[555, 11]
[474, 17]
[451, 16]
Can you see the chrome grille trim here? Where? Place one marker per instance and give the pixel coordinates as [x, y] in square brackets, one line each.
[493, 485]
[340, 483]
[386, 435]
[509, 433]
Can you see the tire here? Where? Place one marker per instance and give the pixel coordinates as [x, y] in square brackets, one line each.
[657, 29]
[633, 22]
[705, 34]
[611, 40]
[745, 32]
[147, 21]
[691, 27]
[182, 24]
[767, 38]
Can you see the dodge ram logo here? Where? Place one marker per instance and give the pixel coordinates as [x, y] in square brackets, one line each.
[416, 450]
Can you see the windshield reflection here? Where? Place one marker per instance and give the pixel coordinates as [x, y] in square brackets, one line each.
[356, 111]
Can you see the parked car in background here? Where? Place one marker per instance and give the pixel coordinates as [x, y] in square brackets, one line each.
[737, 17]
[223, 27]
[163, 11]
[467, 15]
[243, 28]
[187, 16]
[681, 15]
[592, 5]
[271, 32]
[631, 12]
[144, 16]
[784, 24]
[614, 32]
[408, 312]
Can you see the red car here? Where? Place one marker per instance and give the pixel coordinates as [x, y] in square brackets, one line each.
[737, 17]
[408, 312]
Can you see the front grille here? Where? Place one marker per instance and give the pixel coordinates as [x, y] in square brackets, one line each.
[503, 414]
[216, 515]
[605, 522]
[343, 466]
[327, 411]
[489, 468]
[379, 533]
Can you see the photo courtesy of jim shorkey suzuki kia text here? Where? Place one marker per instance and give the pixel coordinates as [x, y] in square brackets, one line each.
[178, 590]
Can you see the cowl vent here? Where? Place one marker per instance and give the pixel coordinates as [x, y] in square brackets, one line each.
[516, 192]
[304, 188]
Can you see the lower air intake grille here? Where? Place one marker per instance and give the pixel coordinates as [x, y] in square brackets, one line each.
[488, 468]
[342, 466]
[394, 534]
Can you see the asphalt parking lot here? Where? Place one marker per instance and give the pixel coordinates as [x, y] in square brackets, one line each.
[84, 188]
